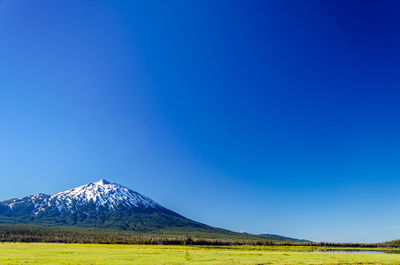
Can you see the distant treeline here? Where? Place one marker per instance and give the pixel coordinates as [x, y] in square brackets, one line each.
[80, 235]
[391, 244]
[22, 233]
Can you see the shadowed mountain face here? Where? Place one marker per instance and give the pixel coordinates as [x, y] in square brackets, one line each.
[100, 204]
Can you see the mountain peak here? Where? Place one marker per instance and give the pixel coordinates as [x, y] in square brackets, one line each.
[104, 194]
[102, 182]
[101, 194]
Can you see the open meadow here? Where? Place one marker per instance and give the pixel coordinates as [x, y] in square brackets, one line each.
[45, 253]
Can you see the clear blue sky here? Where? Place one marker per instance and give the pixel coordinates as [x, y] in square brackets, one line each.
[260, 116]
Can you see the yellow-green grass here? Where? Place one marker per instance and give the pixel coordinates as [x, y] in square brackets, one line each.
[42, 253]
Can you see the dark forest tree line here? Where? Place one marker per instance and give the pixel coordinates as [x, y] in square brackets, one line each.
[17, 233]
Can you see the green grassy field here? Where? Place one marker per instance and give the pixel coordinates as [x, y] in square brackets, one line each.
[42, 253]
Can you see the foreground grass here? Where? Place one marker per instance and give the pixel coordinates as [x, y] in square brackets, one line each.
[41, 253]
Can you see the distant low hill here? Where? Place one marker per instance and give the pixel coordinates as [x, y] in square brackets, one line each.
[111, 207]
[283, 238]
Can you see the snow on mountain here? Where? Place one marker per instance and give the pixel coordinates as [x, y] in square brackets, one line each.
[100, 194]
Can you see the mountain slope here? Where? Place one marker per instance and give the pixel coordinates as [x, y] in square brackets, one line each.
[283, 238]
[100, 204]
[108, 205]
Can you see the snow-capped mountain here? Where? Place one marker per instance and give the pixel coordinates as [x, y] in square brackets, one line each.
[103, 204]
[99, 204]
[100, 194]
